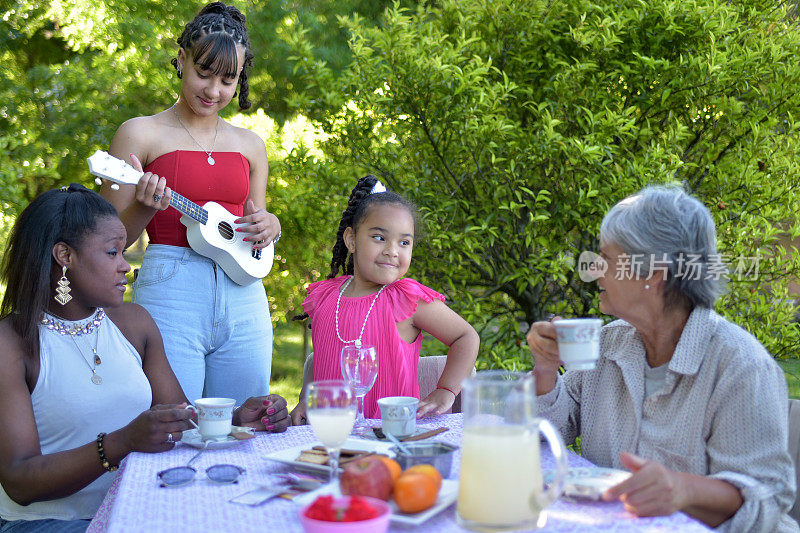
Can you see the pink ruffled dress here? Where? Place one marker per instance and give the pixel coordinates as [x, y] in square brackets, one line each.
[398, 360]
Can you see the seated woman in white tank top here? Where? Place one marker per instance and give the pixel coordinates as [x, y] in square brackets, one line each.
[85, 380]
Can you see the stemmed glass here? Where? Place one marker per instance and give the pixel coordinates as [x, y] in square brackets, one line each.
[360, 368]
[331, 411]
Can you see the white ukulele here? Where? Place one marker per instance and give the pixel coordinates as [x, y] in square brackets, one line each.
[209, 229]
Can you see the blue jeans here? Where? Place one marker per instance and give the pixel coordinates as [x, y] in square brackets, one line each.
[217, 334]
[43, 526]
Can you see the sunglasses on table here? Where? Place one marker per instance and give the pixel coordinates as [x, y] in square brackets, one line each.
[183, 475]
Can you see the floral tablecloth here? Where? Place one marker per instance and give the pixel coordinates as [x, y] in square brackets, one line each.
[135, 502]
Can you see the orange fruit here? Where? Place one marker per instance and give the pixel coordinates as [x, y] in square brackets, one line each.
[427, 470]
[415, 492]
[392, 465]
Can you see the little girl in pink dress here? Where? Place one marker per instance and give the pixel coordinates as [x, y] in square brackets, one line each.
[373, 303]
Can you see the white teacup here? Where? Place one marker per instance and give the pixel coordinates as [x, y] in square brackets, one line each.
[399, 415]
[578, 342]
[214, 417]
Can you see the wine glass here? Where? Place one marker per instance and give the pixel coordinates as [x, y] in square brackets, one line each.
[360, 368]
[331, 411]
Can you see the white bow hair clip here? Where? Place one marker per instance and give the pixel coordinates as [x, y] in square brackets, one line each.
[378, 187]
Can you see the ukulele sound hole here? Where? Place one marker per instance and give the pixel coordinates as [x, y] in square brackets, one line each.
[225, 230]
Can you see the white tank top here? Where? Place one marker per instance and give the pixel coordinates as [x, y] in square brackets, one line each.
[70, 410]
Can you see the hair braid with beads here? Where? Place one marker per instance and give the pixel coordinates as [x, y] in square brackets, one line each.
[211, 37]
[361, 199]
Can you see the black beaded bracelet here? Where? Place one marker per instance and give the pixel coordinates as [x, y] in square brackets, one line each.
[103, 459]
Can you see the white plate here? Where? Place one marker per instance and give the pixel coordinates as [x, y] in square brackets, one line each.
[447, 495]
[289, 455]
[589, 483]
[192, 438]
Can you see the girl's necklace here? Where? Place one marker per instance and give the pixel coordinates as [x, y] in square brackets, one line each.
[75, 330]
[356, 342]
[216, 131]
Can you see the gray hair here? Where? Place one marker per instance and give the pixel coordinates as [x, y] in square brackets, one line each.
[672, 232]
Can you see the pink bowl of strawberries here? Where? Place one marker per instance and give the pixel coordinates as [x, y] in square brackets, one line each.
[354, 514]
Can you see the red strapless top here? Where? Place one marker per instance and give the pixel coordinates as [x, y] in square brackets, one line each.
[188, 173]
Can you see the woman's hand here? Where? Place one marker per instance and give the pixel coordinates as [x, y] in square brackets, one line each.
[652, 490]
[149, 432]
[298, 414]
[435, 403]
[543, 344]
[264, 413]
[263, 226]
[151, 191]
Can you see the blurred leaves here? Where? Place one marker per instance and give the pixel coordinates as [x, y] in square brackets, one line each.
[515, 125]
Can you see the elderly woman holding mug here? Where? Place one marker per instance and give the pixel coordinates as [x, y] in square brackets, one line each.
[690, 403]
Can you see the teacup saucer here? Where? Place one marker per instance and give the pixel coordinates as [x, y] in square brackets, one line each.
[192, 438]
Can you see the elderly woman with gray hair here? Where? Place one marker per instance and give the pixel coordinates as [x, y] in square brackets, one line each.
[690, 403]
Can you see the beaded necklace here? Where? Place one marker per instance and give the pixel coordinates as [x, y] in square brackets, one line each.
[78, 330]
[356, 342]
[74, 328]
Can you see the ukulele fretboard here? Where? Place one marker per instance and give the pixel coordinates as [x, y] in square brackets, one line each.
[188, 207]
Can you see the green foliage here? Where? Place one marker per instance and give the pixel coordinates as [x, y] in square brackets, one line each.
[516, 124]
[287, 364]
[277, 24]
[76, 70]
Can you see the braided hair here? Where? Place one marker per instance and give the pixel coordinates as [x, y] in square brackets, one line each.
[211, 37]
[67, 215]
[361, 198]
[357, 208]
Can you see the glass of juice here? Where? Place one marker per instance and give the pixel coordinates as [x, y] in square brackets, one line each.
[331, 412]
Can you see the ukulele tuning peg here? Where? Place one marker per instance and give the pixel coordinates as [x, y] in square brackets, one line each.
[98, 181]
[115, 186]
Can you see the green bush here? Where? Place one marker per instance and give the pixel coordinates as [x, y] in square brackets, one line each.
[516, 124]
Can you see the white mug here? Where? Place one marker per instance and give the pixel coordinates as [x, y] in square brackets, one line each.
[578, 342]
[399, 415]
[214, 417]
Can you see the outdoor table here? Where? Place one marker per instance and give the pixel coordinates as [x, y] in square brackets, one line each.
[136, 503]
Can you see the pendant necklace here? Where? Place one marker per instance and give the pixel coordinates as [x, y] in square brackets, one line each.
[96, 379]
[216, 131]
[356, 342]
[93, 326]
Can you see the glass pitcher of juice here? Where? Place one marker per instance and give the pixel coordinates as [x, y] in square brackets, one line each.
[501, 484]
